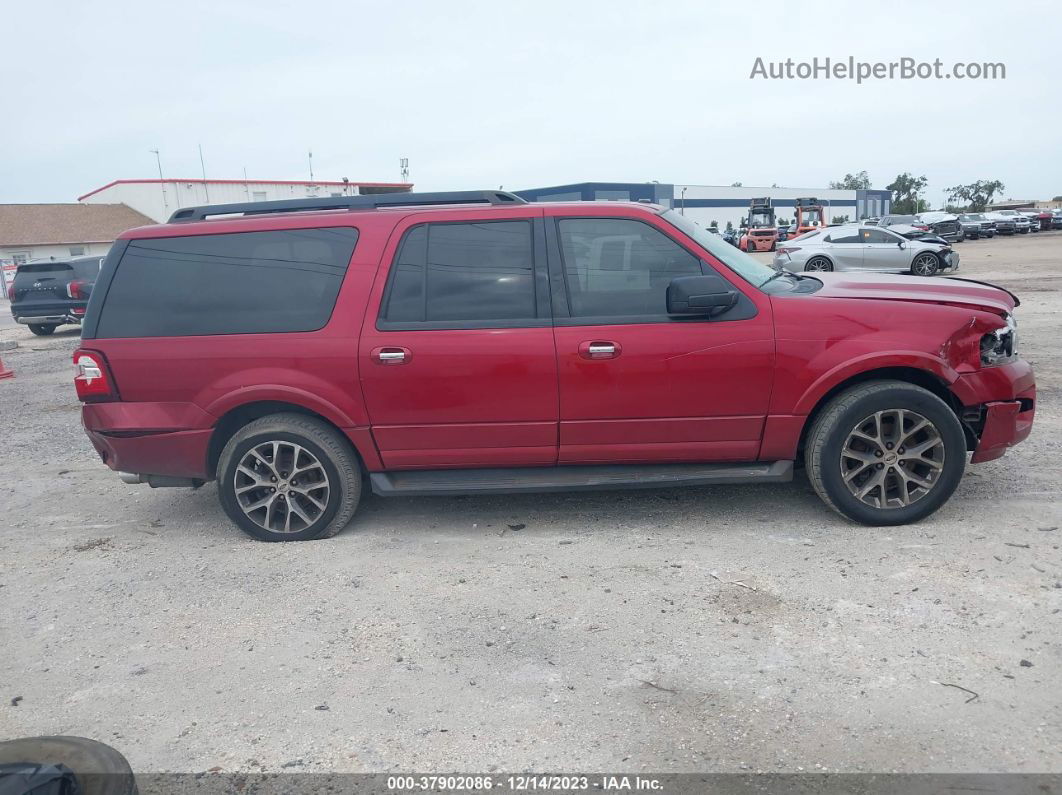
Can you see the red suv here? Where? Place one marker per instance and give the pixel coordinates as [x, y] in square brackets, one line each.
[463, 343]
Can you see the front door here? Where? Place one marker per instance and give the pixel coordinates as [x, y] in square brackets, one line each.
[635, 384]
[882, 252]
[456, 357]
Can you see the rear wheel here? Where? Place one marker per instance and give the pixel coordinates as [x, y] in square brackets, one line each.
[885, 453]
[42, 330]
[289, 477]
[818, 264]
[925, 264]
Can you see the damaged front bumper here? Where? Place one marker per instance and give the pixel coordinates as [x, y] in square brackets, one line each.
[1005, 423]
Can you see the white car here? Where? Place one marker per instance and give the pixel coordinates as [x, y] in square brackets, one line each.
[1021, 222]
[854, 247]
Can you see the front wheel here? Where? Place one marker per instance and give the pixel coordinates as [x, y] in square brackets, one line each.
[41, 329]
[925, 264]
[818, 264]
[289, 477]
[885, 453]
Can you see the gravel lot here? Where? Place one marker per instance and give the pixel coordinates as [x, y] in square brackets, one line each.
[573, 632]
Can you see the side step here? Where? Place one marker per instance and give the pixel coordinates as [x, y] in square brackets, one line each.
[444, 482]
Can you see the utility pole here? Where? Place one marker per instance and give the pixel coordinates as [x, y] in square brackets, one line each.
[162, 182]
[310, 158]
[403, 165]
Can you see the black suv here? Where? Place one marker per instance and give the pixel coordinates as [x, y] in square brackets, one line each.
[48, 293]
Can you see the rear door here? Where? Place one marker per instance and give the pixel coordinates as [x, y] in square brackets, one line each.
[637, 385]
[457, 359]
[846, 249]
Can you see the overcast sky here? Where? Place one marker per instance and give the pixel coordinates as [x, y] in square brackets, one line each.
[482, 94]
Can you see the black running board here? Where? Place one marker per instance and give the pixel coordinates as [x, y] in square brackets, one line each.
[443, 482]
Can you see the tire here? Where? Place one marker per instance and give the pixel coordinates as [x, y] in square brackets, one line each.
[834, 445]
[319, 507]
[98, 768]
[925, 264]
[42, 330]
[818, 264]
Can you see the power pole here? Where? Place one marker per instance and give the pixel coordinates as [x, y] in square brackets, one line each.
[202, 165]
[162, 182]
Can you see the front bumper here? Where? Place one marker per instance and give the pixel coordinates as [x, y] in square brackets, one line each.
[1006, 396]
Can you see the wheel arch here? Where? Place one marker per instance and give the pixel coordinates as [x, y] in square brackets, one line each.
[237, 417]
[934, 382]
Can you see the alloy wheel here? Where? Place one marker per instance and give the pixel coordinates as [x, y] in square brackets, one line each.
[892, 458]
[281, 486]
[926, 265]
[818, 264]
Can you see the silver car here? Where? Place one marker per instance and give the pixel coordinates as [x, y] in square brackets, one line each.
[854, 247]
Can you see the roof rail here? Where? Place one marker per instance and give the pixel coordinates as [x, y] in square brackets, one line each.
[370, 202]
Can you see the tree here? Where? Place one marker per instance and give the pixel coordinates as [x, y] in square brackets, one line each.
[735, 185]
[840, 219]
[977, 195]
[713, 225]
[860, 181]
[729, 226]
[907, 191]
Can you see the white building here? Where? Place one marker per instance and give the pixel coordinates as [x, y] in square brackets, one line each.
[59, 231]
[159, 198]
[720, 203]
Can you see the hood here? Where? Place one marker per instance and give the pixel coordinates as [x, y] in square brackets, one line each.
[889, 287]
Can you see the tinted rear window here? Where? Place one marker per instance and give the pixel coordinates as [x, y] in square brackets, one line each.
[245, 283]
[46, 270]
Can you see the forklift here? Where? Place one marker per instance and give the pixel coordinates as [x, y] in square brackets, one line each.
[809, 215]
[761, 233]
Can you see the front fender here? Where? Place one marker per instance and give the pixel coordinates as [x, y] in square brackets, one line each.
[850, 368]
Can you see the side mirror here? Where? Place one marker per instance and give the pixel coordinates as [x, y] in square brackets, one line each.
[699, 295]
[901, 244]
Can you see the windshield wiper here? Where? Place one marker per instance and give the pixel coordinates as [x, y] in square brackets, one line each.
[774, 276]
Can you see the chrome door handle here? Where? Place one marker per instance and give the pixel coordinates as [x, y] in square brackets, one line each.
[601, 349]
[391, 356]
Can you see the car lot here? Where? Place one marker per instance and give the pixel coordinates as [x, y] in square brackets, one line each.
[701, 629]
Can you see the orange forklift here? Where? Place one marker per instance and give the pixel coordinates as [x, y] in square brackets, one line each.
[809, 216]
[761, 233]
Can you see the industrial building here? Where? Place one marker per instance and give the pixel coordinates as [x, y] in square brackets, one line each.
[159, 198]
[721, 204]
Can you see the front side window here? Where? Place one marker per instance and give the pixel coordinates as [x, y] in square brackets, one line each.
[463, 273]
[879, 236]
[618, 267]
[242, 283]
[748, 268]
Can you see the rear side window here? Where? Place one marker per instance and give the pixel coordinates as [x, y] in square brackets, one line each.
[244, 283]
[463, 272]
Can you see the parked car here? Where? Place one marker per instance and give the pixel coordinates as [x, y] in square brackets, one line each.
[783, 234]
[732, 236]
[471, 342]
[1034, 221]
[976, 225]
[861, 248]
[1005, 224]
[943, 224]
[46, 294]
[872, 221]
[1056, 219]
[906, 220]
[1021, 222]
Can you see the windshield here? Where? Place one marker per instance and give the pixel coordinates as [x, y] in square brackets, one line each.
[760, 218]
[738, 261]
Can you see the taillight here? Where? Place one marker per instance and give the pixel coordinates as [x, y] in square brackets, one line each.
[11, 293]
[77, 289]
[787, 249]
[93, 380]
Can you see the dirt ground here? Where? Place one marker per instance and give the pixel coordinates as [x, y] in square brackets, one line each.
[602, 631]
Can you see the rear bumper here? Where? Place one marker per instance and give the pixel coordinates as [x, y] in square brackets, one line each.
[150, 438]
[48, 320]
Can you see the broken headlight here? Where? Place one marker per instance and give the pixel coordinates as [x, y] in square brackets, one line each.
[1000, 346]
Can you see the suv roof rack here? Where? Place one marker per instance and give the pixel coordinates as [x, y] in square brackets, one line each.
[370, 202]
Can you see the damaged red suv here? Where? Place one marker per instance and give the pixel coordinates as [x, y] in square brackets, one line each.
[461, 343]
